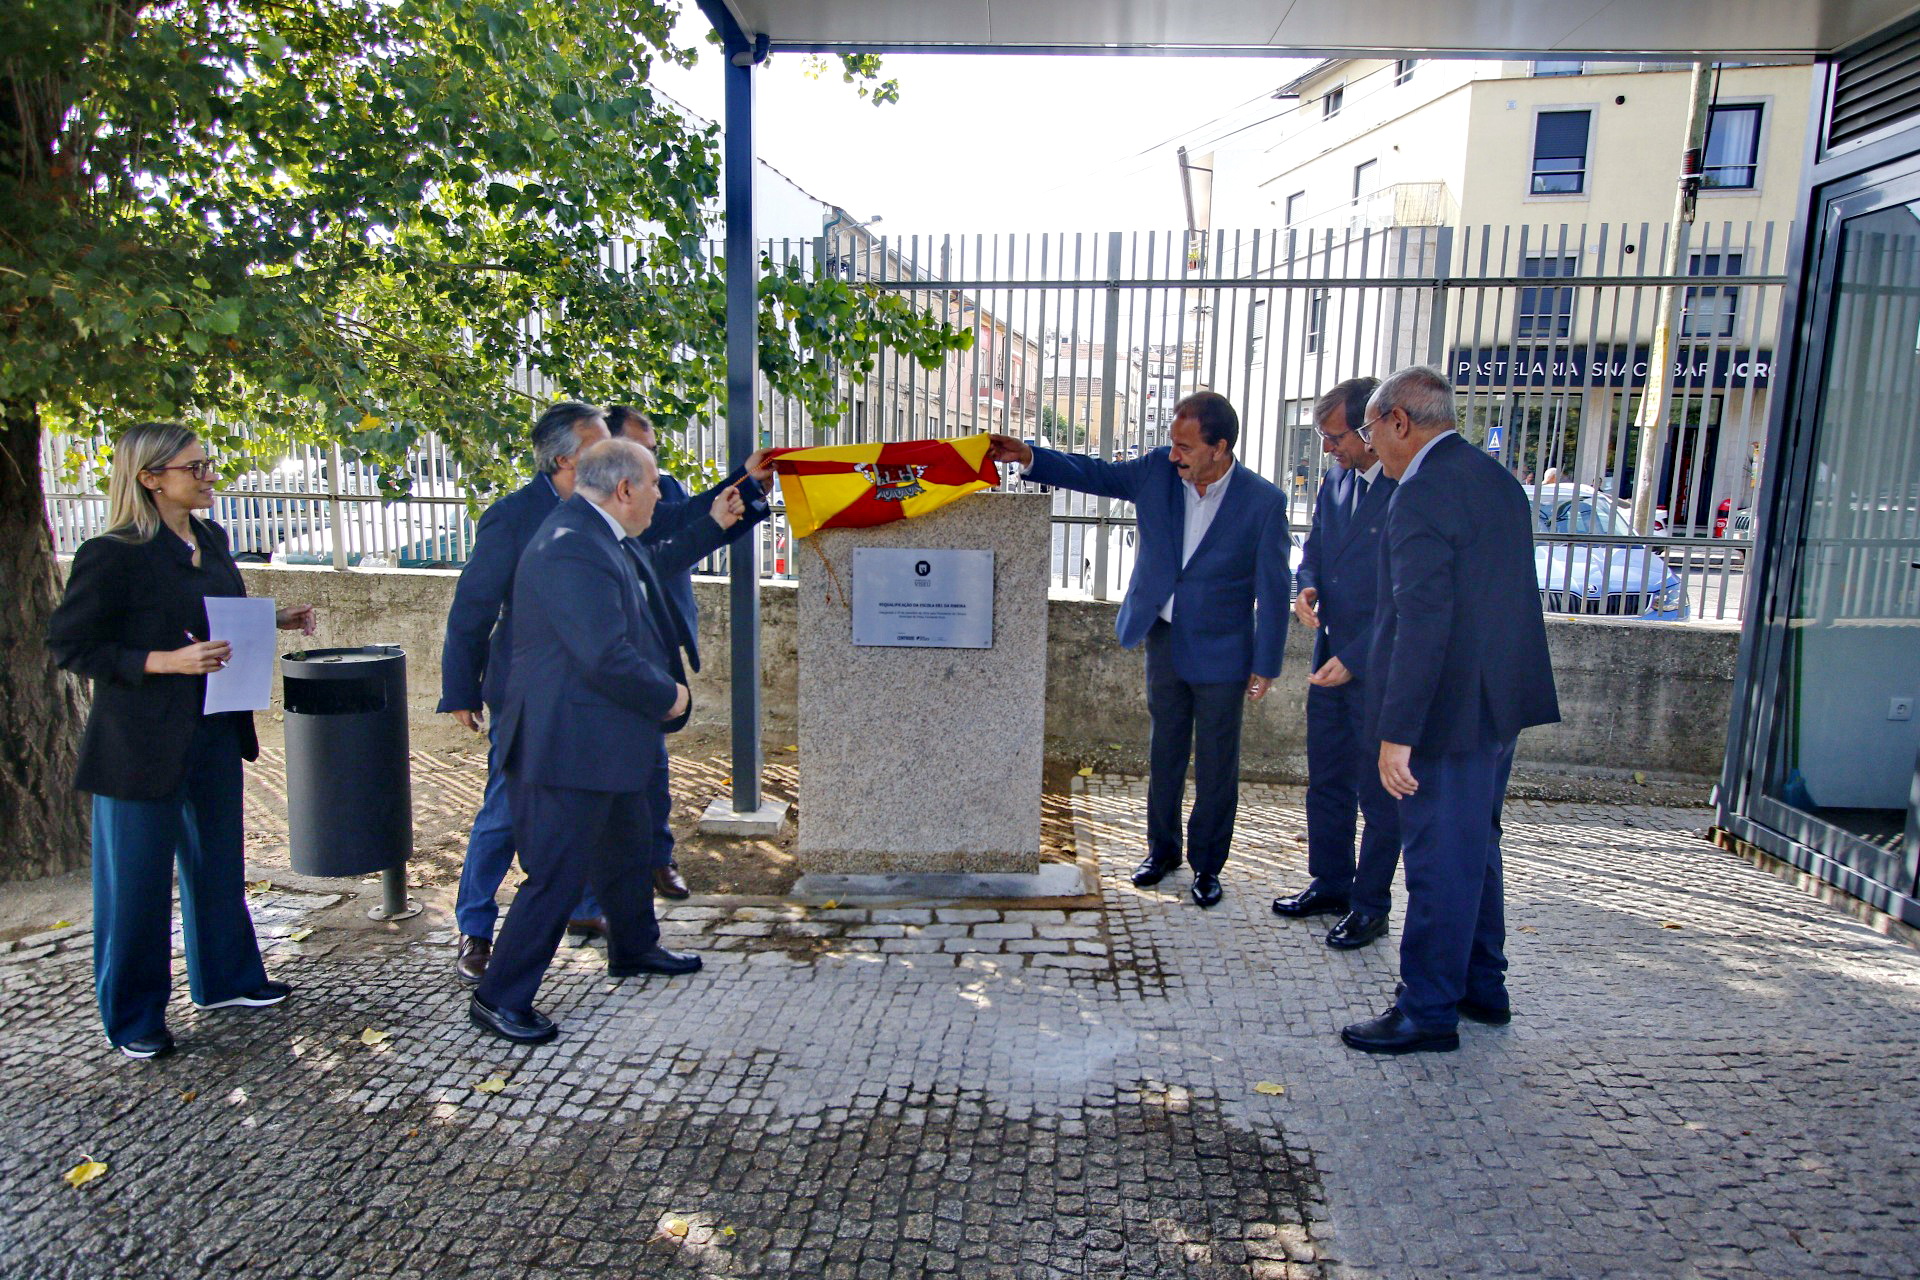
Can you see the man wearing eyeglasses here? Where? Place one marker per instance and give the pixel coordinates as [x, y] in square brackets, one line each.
[1208, 598]
[1458, 667]
[1338, 579]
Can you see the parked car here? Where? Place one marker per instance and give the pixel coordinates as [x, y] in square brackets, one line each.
[1728, 523]
[1604, 579]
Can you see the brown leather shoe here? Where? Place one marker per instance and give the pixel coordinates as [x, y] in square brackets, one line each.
[669, 883]
[587, 928]
[472, 963]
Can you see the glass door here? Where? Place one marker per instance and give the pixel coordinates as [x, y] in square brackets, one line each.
[1841, 756]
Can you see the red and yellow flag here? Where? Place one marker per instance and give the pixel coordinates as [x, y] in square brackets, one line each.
[851, 486]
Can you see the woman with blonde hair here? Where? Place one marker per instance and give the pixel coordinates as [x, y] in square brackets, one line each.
[165, 778]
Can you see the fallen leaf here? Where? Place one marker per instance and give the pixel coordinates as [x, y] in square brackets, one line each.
[259, 886]
[1527, 928]
[495, 1083]
[63, 924]
[830, 904]
[726, 1231]
[300, 935]
[371, 1037]
[413, 1133]
[188, 1095]
[86, 1171]
[1639, 778]
[1269, 1088]
[1671, 924]
[675, 1227]
[1086, 771]
[794, 747]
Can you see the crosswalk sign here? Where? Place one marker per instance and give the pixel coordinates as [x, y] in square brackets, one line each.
[1496, 439]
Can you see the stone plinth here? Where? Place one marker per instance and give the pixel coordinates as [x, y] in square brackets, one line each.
[925, 760]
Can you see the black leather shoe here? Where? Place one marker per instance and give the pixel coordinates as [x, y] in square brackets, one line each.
[1394, 1032]
[584, 929]
[1206, 890]
[1151, 871]
[669, 883]
[1356, 930]
[658, 960]
[1310, 901]
[1492, 1015]
[158, 1045]
[471, 963]
[531, 1027]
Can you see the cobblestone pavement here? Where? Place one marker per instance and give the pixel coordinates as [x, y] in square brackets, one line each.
[1708, 1074]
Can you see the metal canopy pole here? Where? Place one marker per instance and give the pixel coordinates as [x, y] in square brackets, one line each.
[745, 814]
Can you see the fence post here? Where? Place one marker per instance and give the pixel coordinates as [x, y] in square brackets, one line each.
[1109, 368]
[336, 511]
[1437, 321]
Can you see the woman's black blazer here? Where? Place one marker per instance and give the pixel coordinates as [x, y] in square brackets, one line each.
[124, 600]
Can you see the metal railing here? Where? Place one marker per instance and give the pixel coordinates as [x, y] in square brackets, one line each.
[1086, 341]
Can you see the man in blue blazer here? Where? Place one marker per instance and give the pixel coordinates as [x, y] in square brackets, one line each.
[673, 514]
[1208, 598]
[1338, 578]
[1459, 667]
[597, 683]
[478, 654]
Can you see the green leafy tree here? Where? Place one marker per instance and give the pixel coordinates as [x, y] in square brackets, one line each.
[351, 222]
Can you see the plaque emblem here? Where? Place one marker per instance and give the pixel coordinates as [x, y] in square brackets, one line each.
[893, 484]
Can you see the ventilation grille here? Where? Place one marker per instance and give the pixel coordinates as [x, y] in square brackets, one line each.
[1876, 87]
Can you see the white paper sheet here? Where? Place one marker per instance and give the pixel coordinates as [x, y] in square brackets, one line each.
[246, 682]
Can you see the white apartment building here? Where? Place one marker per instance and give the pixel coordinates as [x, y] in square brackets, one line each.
[1498, 173]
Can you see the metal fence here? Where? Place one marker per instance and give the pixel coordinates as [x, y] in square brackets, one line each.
[1086, 341]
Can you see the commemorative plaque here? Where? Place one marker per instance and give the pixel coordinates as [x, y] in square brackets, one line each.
[922, 598]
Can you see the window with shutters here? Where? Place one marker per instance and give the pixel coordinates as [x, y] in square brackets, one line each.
[1560, 153]
[1366, 179]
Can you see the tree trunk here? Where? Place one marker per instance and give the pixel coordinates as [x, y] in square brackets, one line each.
[44, 819]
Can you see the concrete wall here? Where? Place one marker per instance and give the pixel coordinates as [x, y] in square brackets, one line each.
[1636, 697]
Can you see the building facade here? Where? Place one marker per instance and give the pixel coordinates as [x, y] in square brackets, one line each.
[1505, 174]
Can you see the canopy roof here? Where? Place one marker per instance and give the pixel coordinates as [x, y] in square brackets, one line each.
[1723, 29]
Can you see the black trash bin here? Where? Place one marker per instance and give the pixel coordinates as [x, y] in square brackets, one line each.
[349, 792]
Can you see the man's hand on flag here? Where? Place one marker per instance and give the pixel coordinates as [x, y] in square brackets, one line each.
[1008, 449]
[759, 468]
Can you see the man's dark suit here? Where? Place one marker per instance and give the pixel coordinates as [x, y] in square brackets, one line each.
[1229, 623]
[1459, 668]
[582, 729]
[1341, 561]
[675, 513]
[478, 651]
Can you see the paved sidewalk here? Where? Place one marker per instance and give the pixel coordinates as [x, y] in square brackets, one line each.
[1018, 1090]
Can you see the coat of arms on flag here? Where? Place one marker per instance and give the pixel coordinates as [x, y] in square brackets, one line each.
[851, 486]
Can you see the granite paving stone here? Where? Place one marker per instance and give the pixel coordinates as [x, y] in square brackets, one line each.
[967, 1090]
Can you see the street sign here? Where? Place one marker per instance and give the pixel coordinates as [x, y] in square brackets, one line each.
[1496, 438]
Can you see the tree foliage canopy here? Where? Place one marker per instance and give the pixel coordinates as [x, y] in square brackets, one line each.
[360, 220]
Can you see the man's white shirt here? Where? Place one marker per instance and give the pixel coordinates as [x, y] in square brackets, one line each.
[620, 536]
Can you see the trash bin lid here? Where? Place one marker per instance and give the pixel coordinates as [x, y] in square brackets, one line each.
[319, 663]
